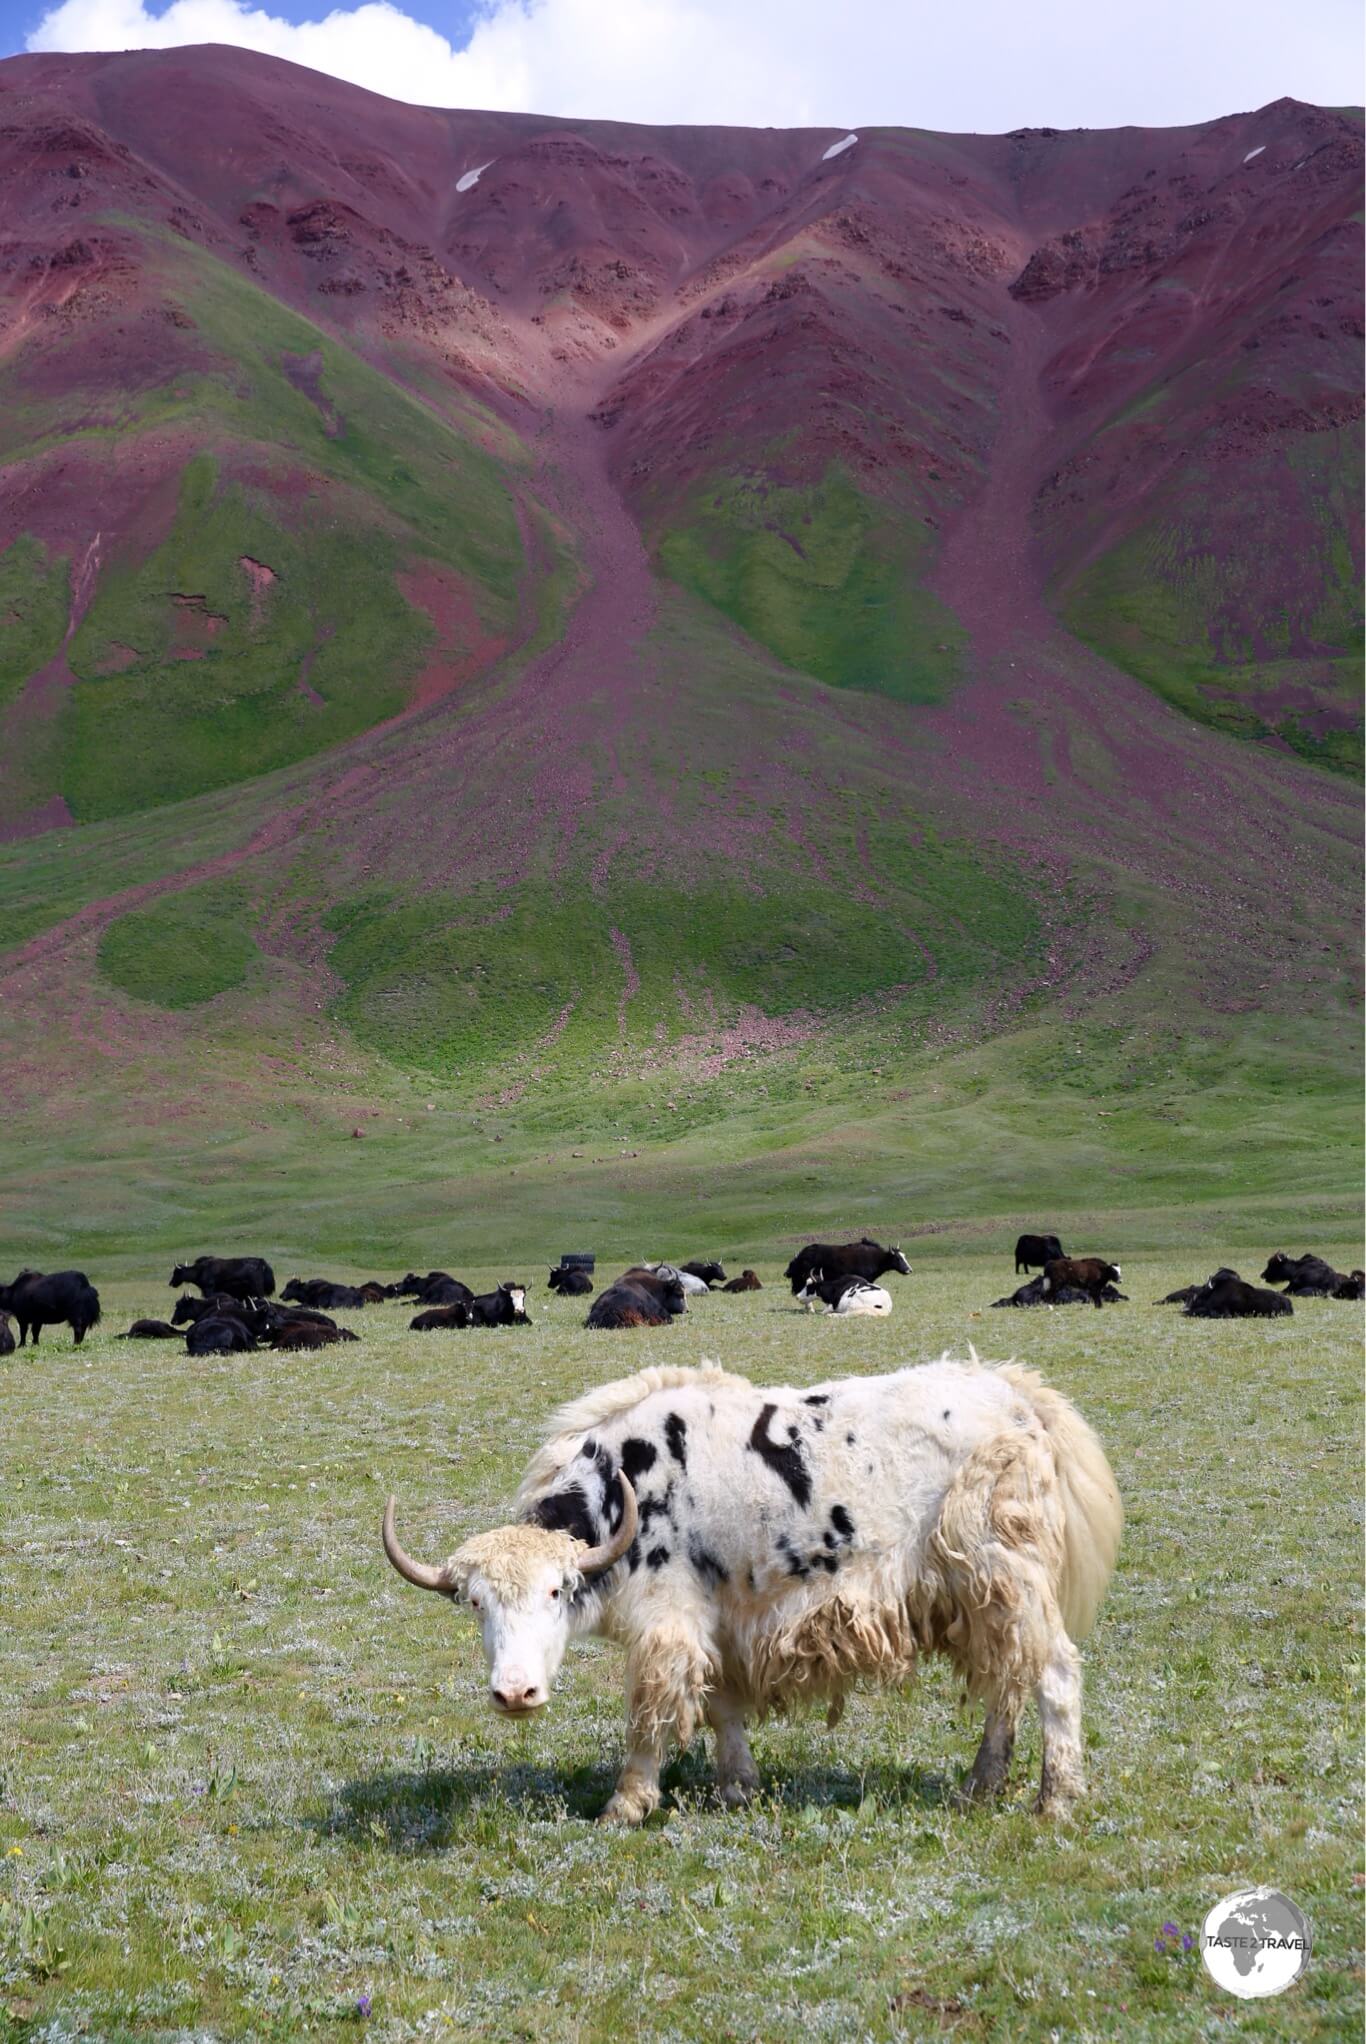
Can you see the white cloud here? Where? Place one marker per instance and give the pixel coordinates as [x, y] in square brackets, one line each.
[987, 65]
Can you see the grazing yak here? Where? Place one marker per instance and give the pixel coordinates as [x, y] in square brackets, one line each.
[1304, 1277]
[746, 1282]
[1089, 1274]
[711, 1273]
[755, 1548]
[1226, 1296]
[6, 1335]
[570, 1282]
[240, 1277]
[150, 1330]
[639, 1298]
[504, 1308]
[37, 1301]
[866, 1259]
[1036, 1252]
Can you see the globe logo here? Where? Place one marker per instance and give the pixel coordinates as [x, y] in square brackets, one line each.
[1255, 1944]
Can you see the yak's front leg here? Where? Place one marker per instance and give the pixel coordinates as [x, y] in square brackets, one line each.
[737, 1778]
[667, 1676]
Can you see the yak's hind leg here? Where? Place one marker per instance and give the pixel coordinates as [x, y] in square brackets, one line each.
[668, 1674]
[998, 1543]
[737, 1778]
[987, 1775]
[1063, 1778]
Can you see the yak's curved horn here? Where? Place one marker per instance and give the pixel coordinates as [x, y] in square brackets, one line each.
[594, 1560]
[420, 1572]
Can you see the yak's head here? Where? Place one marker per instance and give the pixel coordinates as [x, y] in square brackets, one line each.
[519, 1582]
[898, 1260]
[517, 1295]
[181, 1275]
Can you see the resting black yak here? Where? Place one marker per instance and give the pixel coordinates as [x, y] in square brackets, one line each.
[150, 1330]
[455, 1315]
[746, 1282]
[640, 1298]
[1033, 1294]
[1232, 1298]
[570, 1282]
[711, 1273]
[1304, 1277]
[218, 1334]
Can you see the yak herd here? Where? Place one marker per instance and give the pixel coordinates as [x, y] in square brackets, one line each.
[236, 1310]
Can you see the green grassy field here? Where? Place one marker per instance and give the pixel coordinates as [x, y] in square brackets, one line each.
[250, 1778]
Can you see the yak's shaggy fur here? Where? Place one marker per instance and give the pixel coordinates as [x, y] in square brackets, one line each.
[792, 1542]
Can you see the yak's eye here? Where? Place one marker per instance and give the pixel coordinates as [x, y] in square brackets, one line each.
[474, 1603]
[554, 1596]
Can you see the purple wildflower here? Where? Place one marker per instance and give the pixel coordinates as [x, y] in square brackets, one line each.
[1159, 1944]
[1187, 1942]
[362, 2005]
[1169, 1930]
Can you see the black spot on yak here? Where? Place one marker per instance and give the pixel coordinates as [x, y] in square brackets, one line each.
[565, 1511]
[817, 1398]
[656, 1508]
[676, 1434]
[946, 1412]
[706, 1564]
[786, 1460]
[657, 1557]
[637, 1456]
[850, 1439]
[825, 1561]
[633, 1556]
[794, 1563]
[841, 1522]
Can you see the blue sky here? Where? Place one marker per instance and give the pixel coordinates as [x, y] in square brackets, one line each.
[986, 65]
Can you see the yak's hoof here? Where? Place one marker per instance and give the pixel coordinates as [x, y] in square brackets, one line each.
[628, 1810]
[1056, 1802]
[739, 1791]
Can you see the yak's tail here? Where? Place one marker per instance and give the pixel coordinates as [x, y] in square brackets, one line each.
[1093, 1516]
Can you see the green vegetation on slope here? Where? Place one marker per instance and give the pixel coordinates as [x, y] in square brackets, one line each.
[463, 984]
[182, 949]
[310, 462]
[33, 611]
[822, 576]
[229, 683]
[1210, 621]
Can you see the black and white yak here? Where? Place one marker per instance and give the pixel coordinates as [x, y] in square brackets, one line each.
[752, 1548]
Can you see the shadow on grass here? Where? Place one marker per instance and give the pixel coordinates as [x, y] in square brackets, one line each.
[415, 1810]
